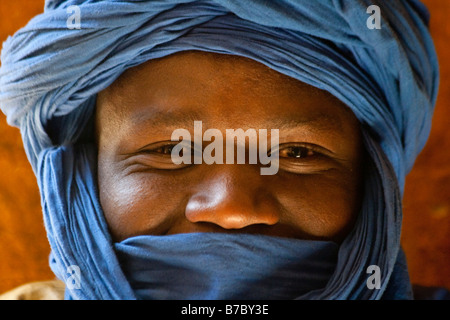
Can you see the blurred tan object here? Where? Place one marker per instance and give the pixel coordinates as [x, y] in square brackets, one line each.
[43, 290]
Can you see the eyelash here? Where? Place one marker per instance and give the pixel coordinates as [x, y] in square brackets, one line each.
[312, 151]
[161, 147]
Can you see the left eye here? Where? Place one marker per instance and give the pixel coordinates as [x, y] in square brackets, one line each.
[297, 152]
[304, 158]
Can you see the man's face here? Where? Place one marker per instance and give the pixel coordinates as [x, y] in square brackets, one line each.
[316, 193]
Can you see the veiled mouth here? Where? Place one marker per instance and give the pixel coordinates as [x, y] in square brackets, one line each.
[280, 231]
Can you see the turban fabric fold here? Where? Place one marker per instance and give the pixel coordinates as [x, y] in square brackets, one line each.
[388, 77]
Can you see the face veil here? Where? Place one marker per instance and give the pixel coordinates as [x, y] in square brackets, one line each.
[388, 77]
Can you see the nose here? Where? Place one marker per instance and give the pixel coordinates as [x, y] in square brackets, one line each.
[234, 198]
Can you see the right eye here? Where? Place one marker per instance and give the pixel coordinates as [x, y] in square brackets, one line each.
[163, 150]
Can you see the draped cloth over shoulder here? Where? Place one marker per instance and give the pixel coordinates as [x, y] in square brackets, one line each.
[50, 75]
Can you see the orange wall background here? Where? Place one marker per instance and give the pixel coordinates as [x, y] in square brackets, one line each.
[24, 247]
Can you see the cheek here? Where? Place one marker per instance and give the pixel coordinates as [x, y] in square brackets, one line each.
[321, 206]
[141, 203]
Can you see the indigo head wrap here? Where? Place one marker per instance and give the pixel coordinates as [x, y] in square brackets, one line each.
[50, 76]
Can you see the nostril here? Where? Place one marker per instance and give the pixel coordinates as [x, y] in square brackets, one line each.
[234, 221]
[228, 216]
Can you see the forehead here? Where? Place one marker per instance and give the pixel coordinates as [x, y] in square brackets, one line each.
[219, 89]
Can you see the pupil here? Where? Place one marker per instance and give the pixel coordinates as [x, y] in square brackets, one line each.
[298, 152]
[167, 149]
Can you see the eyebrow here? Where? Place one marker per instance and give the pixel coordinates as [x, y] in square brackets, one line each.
[185, 119]
[322, 121]
[168, 119]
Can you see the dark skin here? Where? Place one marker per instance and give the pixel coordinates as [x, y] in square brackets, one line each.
[315, 195]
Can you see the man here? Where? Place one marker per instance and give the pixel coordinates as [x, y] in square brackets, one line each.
[97, 107]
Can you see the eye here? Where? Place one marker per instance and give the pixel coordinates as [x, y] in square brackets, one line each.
[164, 150]
[302, 158]
[296, 152]
[159, 156]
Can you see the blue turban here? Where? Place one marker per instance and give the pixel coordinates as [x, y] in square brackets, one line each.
[388, 77]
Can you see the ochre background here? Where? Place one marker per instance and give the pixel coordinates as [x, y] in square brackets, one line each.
[23, 244]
